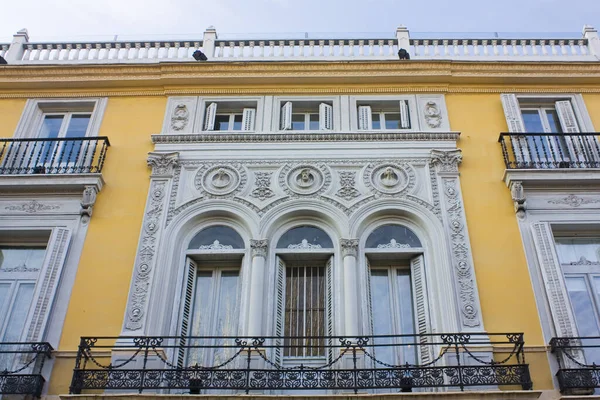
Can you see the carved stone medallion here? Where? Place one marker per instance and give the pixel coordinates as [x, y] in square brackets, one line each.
[305, 179]
[180, 117]
[220, 180]
[390, 179]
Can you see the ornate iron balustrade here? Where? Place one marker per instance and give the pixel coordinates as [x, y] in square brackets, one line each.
[550, 150]
[53, 156]
[577, 357]
[21, 367]
[330, 364]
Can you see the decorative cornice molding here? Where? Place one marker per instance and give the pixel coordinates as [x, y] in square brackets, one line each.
[302, 137]
[162, 164]
[349, 247]
[259, 247]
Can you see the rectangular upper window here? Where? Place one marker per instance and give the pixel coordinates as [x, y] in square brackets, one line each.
[230, 116]
[306, 116]
[383, 115]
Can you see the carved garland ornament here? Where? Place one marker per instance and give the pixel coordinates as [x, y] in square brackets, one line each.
[573, 201]
[32, 207]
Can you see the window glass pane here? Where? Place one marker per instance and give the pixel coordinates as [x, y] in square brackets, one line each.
[305, 237]
[227, 315]
[222, 122]
[298, 122]
[314, 122]
[583, 309]
[4, 292]
[578, 250]
[392, 121]
[391, 236]
[78, 125]
[405, 308]
[553, 121]
[532, 120]
[382, 314]
[18, 313]
[21, 257]
[237, 122]
[223, 235]
[376, 123]
[51, 126]
[201, 318]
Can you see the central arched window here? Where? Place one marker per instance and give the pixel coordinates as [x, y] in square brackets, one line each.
[211, 297]
[393, 258]
[304, 295]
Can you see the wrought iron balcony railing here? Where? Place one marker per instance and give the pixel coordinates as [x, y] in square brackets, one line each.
[550, 150]
[80, 155]
[578, 363]
[21, 367]
[392, 363]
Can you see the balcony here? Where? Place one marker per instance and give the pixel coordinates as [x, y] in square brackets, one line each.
[21, 367]
[64, 163]
[578, 372]
[321, 365]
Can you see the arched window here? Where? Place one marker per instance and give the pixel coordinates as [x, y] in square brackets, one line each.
[304, 293]
[394, 262]
[210, 305]
[217, 237]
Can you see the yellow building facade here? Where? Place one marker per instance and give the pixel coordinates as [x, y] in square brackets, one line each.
[300, 217]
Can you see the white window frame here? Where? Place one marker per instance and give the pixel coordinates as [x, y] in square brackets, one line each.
[357, 101]
[200, 123]
[298, 108]
[30, 124]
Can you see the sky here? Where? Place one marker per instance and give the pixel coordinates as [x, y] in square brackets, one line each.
[72, 19]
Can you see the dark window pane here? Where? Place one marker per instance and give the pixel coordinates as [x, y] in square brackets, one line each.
[533, 122]
[314, 122]
[222, 122]
[298, 122]
[390, 235]
[376, 123]
[310, 234]
[224, 234]
[392, 121]
[553, 121]
[237, 122]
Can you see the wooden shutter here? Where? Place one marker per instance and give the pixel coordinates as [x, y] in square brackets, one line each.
[329, 309]
[248, 118]
[581, 148]
[566, 115]
[280, 310]
[286, 116]
[186, 309]
[404, 115]
[365, 118]
[325, 117]
[512, 113]
[421, 305]
[209, 118]
[48, 282]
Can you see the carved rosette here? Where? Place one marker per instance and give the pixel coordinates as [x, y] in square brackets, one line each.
[163, 164]
[349, 247]
[461, 253]
[446, 160]
[145, 259]
[259, 247]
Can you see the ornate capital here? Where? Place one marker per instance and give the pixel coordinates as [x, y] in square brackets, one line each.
[349, 247]
[259, 247]
[446, 160]
[163, 163]
[518, 197]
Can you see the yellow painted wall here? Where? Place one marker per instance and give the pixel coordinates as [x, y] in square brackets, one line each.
[99, 296]
[10, 113]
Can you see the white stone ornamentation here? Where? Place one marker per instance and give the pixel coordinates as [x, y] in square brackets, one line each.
[347, 190]
[216, 245]
[180, 117]
[262, 191]
[305, 180]
[518, 197]
[393, 244]
[432, 114]
[163, 164]
[32, 207]
[349, 247]
[259, 247]
[304, 245]
[391, 179]
[219, 180]
[573, 201]
[87, 202]
[446, 160]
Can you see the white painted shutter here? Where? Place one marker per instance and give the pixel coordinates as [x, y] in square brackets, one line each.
[325, 117]
[48, 282]
[419, 287]
[512, 112]
[186, 309]
[404, 115]
[209, 118]
[329, 309]
[248, 118]
[365, 118]
[369, 300]
[286, 116]
[280, 310]
[566, 115]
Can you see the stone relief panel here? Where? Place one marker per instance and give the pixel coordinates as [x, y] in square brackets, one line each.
[180, 114]
[432, 113]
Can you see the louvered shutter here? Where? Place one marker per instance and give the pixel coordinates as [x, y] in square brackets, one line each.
[421, 305]
[186, 310]
[325, 117]
[248, 118]
[209, 118]
[365, 118]
[48, 281]
[329, 309]
[566, 115]
[512, 113]
[280, 310]
[581, 148]
[514, 120]
[286, 116]
[369, 300]
[404, 115]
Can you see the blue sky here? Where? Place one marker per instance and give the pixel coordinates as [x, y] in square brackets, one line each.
[53, 19]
